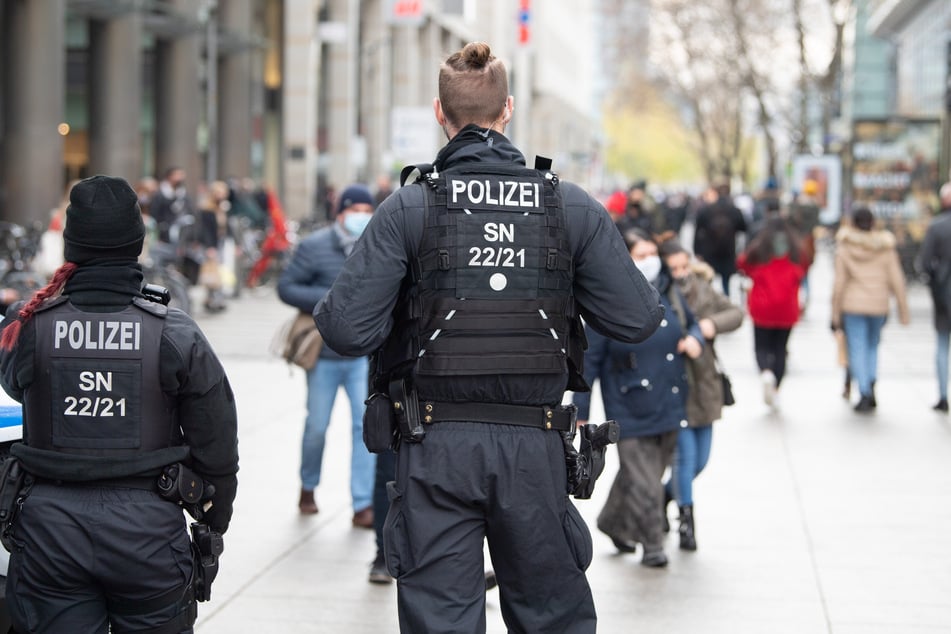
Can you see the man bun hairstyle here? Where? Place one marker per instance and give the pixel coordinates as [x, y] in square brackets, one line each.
[473, 86]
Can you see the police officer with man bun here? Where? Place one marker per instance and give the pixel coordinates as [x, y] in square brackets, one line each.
[467, 288]
[121, 395]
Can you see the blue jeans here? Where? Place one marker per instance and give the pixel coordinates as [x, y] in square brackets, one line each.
[693, 451]
[322, 384]
[941, 360]
[862, 333]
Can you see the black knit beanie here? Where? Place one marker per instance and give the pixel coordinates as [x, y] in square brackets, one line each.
[103, 220]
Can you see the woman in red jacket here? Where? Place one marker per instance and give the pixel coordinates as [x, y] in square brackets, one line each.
[775, 263]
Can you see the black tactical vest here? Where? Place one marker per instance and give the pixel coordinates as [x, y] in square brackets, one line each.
[96, 389]
[491, 287]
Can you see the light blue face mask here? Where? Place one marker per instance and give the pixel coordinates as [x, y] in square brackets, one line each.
[356, 221]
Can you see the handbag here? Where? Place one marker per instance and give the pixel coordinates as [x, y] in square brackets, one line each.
[301, 341]
[728, 398]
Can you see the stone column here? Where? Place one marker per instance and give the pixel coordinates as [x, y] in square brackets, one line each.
[341, 69]
[299, 117]
[33, 52]
[115, 97]
[178, 99]
[374, 88]
[234, 94]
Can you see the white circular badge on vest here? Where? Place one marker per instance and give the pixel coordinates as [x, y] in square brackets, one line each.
[498, 281]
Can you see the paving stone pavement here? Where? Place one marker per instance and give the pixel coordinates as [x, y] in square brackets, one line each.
[810, 519]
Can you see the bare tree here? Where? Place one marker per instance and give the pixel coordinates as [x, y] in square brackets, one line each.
[742, 68]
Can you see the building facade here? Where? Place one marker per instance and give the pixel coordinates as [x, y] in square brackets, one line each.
[301, 95]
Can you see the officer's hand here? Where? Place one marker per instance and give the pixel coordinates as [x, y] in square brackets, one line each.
[581, 423]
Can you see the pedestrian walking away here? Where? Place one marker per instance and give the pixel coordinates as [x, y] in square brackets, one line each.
[867, 273]
[467, 287]
[934, 260]
[644, 388]
[312, 270]
[127, 417]
[714, 241]
[715, 314]
[774, 262]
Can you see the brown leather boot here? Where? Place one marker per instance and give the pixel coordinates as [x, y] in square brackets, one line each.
[307, 504]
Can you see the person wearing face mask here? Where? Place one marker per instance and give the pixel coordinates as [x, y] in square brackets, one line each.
[715, 314]
[644, 388]
[776, 264]
[311, 272]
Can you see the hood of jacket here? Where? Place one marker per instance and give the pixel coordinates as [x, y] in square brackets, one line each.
[865, 244]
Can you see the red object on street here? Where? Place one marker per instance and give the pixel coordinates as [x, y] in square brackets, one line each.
[275, 241]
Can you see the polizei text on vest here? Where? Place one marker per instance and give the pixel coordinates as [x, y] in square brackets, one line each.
[96, 335]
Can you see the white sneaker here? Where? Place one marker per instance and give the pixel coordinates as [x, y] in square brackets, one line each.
[769, 387]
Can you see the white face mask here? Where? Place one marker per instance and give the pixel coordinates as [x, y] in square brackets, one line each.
[649, 267]
[356, 221]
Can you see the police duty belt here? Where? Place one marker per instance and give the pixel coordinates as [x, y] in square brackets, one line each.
[559, 418]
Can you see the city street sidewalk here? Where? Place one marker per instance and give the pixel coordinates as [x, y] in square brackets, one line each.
[810, 519]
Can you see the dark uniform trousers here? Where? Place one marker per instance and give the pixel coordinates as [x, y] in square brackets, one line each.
[88, 555]
[470, 481]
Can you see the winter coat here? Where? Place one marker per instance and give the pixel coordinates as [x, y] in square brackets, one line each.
[716, 228]
[867, 273]
[315, 265]
[643, 385]
[773, 302]
[705, 399]
[934, 260]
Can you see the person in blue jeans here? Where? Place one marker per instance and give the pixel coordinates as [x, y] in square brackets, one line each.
[316, 262]
[934, 260]
[715, 314]
[867, 273]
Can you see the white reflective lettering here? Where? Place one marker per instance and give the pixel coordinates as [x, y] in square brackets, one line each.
[457, 188]
[76, 335]
[127, 338]
[59, 332]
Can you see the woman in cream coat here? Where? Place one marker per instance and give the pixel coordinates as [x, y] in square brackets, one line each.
[867, 274]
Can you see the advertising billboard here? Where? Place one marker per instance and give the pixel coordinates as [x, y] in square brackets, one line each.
[894, 172]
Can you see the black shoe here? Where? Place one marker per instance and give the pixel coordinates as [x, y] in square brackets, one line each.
[864, 405]
[490, 580]
[654, 558]
[378, 572]
[941, 406]
[872, 396]
[665, 519]
[688, 540]
[624, 546]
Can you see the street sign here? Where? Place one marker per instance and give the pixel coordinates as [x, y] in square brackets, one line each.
[403, 12]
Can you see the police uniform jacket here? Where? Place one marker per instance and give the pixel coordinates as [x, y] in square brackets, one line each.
[191, 376]
[356, 316]
[643, 385]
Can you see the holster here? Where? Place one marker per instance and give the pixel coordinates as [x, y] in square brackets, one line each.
[380, 431]
[586, 463]
[405, 404]
[15, 485]
[207, 546]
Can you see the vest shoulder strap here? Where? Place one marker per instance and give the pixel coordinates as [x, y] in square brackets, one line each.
[154, 308]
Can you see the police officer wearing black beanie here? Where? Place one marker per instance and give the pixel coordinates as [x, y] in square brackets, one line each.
[115, 389]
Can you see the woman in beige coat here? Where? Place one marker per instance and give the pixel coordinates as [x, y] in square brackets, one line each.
[867, 274]
[715, 314]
